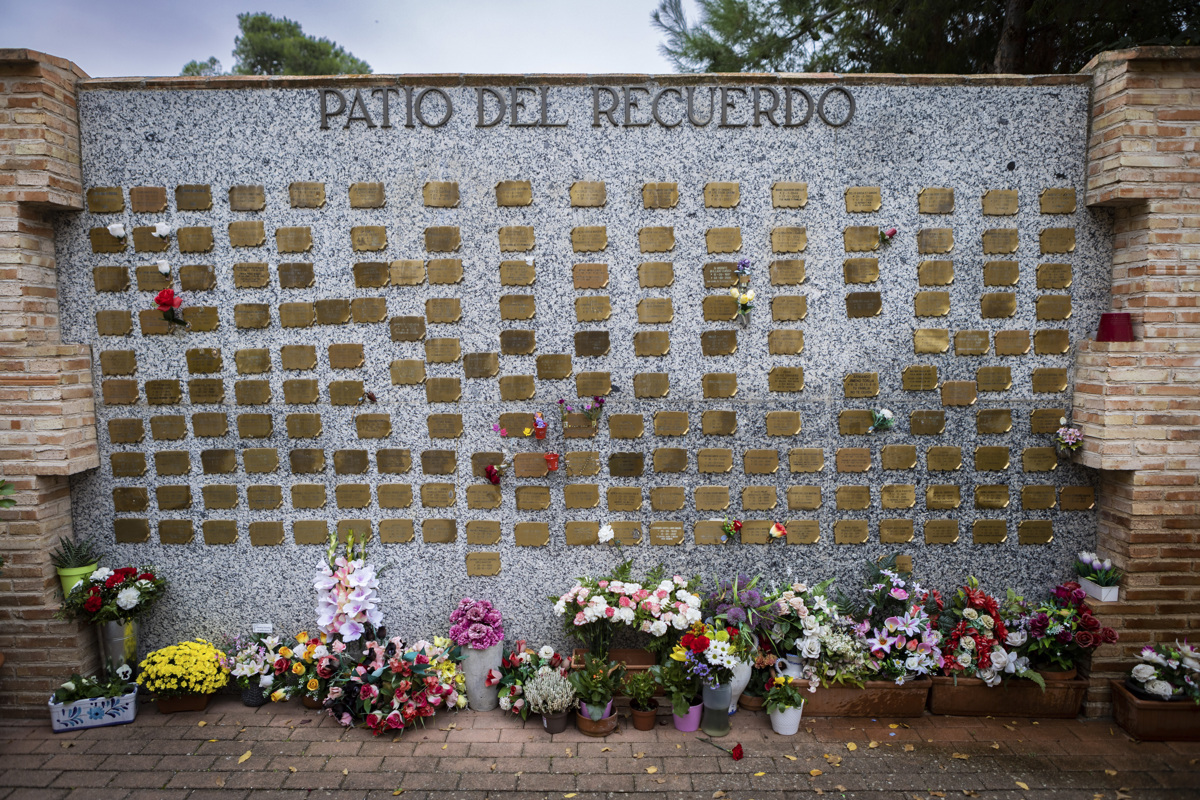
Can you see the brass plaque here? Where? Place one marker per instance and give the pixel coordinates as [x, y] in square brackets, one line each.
[711, 498]
[514, 193]
[152, 323]
[656, 274]
[149, 279]
[667, 498]
[1057, 240]
[1054, 307]
[723, 240]
[853, 459]
[998, 305]
[269, 498]
[368, 309]
[205, 426]
[1049, 380]
[789, 308]
[898, 495]
[587, 343]
[306, 194]
[787, 272]
[260, 459]
[971, 343]
[163, 392]
[719, 308]
[993, 420]
[437, 351]
[483, 531]
[588, 194]
[941, 531]
[989, 531]
[1057, 201]
[991, 459]
[651, 343]
[594, 308]
[178, 462]
[177, 531]
[851, 531]
[218, 461]
[943, 459]
[722, 195]
[345, 393]
[931, 304]
[589, 276]
[585, 239]
[660, 195]
[933, 200]
[110, 279]
[860, 270]
[581, 463]
[593, 384]
[145, 242]
[435, 194]
[581, 495]
[516, 387]
[531, 534]
[554, 367]
[719, 423]
[898, 456]
[245, 198]
[719, 384]
[714, 459]
[297, 356]
[622, 498]
[656, 240]
[119, 392]
[293, 240]
[131, 531]
[785, 379]
[193, 198]
[105, 242]
[1045, 420]
[202, 391]
[300, 392]
[785, 342]
[1001, 273]
[1035, 531]
[258, 315]
[1037, 497]
[1051, 342]
[720, 274]
[127, 431]
[193, 240]
[306, 461]
[863, 304]
[789, 240]
[407, 329]
[895, 531]
[934, 241]
[517, 273]
[310, 532]
[445, 531]
[255, 426]
[860, 238]
[803, 531]
[517, 239]
[177, 498]
[789, 195]
[250, 276]
[444, 426]
[197, 278]
[534, 498]
[1000, 202]
[666, 534]
[253, 361]
[440, 239]
[669, 423]
[148, 199]
[863, 199]
[927, 422]
[853, 498]
[130, 465]
[651, 384]
[371, 195]
[958, 393]
[935, 273]
[941, 497]
[295, 275]
[437, 462]
[626, 465]
[406, 273]
[760, 462]
[1077, 498]
[783, 423]
[1000, 240]
[994, 496]
[448, 310]
[1053, 276]
[806, 459]
[853, 422]
[582, 533]
[373, 426]
[350, 356]
[804, 498]
[1012, 343]
[368, 238]
[393, 462]
[131, 498]
[248, 233]
[252, 393]
[625, 426]
[396, 531]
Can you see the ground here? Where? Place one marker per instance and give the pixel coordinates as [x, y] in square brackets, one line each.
[284, 751]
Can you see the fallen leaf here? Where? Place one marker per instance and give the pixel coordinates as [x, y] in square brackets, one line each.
[522, 772]
[569, 794]
[678, 747]
[790, 758]
[908, 748]
[660, 780]
[568, 752]
[1010, 727]
[605, 749]
[1110, 772]
[759, 774]
[851, 746]
[718, 793]
[243, 730]
[220, 782]
[443, 747]
[995, 745]
[893, 726]
[397, 792]
[212, 740]
[291, 769]
[840, 788]
[639, 755]
[970, 793]
[346, 772]
[962, 756]
[872, 745]
[492, 767]
[201, 724]
[819, 791]
[932, 793]
[1037, 723]
[651, 770]
[1023, 785]
[815, 772]
[245, 756]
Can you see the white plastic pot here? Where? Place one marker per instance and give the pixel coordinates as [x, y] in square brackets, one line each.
[1104, 594]
[786, 721]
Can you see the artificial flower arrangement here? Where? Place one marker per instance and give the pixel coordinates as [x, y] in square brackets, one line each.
[347, 591]
[1169, 672]
[737, 606]
[707, 654]
[252, 660]
[745, 301]
[1057, 633]
[974, 638]
[305, 667]
[1067, 438]
[730, 529]
[593, 410]
[1100, 572]
[548, 691]
[113, 595]
[829, 645]
[517, 669]
[681, 686]
[898, 617]
[168, 303]
[476, 624]
[881, 420]
[188, 668]
[886, 235]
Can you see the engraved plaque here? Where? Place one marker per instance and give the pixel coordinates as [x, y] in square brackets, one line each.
[351, 462]
[935, 273]
[581, 495]
[1012, 343]
[853, 498]
[660, 195]
[588, 194]
[445, 531]
[252, 393]
[1037, 498]
[149, 279]
[250, 275]
[622, 499]
[304, 194]
[208, 425]
[202, 391]
[898, 456]
[665, 533]
[153, 323]
[850, 531]
[516, 387]
[863, 199]
[789, 195]
[667, 498]
[483, 531]
[656, 240]
[178, 462]
[625, 426]
[1051, 342]
[368, 238]
[247, 198]
[531, 534]
[860, 238]
[368, 309]
[804, 498]
[1054, 307]
[760, 462]
[255, 426]
[993, 420]
[1077, 498]
[587, 343]
[582, 463]
[720, 307]
[130, 498]
[785, 342]
[127, 431]
[1057, 201]
[293, 240]
[1000, 240]
[592, 384]
[295, 275]
[1045, 420]
[803, 531]
[397, 531]
[192, 240]
[310, 532]
[718, 343]
[853, 459]
[177, 531]
[434, 462]
[295, 356]
[651, 384]
[129, 465]
[448, 310]
[721, 195]
[518, 273]
[971, 343]
[714, 459]
[163, 392]
[197, 278]
[935, 201]
[514, 193]
[943, 459]
[941, 531]
[437, 351]
[435, 194]
[670, 423]
[119, 392]
[863, 304]
[719, 423]
[248, 233]
[931, 304]
[720, 274]
[898, 496]
[860, 270]
[656, 274]
[723, 240]
[300, 392]
[193, 198]
[437, 495]
[934, 241]
[991, 496]
[651, 343]
[789, 240]
[854, 422]
[131, 531]
[788, 308]
[260, 459]
[588, 309]
[345, 393]
[269, 498]
[719, 384]
[783, 423]
[787, 272]
[148, 199]
[1057, 240]
[895, 531]
[1053, 276]
[711, 498]
[991, 459]
[373, 426]
[785, 379]
[626, 465]
[439, 239]
[218, 461]
[989, 531]
[589, 276]
[1047, 380]
[110, 279]
[587, 239]
[927, 422]
[445, 426]
[407, 329]
[406, 273]
[1035, 531]
[105, 242]
[958, 393]
[942, 497]
[931, 340]
[393, 462]
[919, 378]
[806, 459]
[998, 305]
[306, 461]
[258, 315]
[1000, 202]
[1001, 273]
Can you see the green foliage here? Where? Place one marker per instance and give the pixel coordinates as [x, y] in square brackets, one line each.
[71, 554]
[6, 492]
[680, 686]
[598, 681]
[640, 687]
[914, 36]
[80, 688]
[203, 69]
[277, 46]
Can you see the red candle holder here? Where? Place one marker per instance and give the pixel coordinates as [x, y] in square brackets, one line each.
[552, 461]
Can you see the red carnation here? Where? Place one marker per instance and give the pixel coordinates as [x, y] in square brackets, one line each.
[92, 604]
[167, 301]
[737, 752]
[687, 640]
[732, 630]
[699, 644]
[146, 576]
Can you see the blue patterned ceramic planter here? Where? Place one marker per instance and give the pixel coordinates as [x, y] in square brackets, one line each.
[98, 712]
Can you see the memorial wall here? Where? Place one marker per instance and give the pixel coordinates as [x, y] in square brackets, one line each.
[376, 276]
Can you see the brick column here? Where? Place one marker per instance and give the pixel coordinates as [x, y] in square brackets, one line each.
[1139, 403]
[47, 419]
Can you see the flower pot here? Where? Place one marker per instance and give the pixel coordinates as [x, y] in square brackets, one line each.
[552, 461]
[741, 679]
[874, 699]
[715, 719]
[744, 319]
[253, 696]
[184, 702]
[311, 702]
[1155, 720]
[644, 720]
[786, 721]
[595, 712]
[556, 723]
[971, 697]
[599, 727]
[749, 702]
[539, 433]
[1049, 674]
[690, 721]
[1105, 594]
[72, 575]
[118, 644]
[93, 712]
[480, 696]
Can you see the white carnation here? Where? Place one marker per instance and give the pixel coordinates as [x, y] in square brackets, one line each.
[606, 533]
[546, 652]
[970, 613]
[100, 575]
[964, 659]
[128, 598]
[658, 628]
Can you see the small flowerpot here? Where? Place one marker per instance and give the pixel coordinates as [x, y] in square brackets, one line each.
[594, 712]
[253, 696]
[748, 702]
[552, 461]
[644, 720]
[185, 702]
[1155, 720]
[1105, 594]
[93, 712]
[73, 575]
[311, 702]
[786, 721]
[539, 433]
[599, 727]
[689, 722]
[1049, 675]
[556, 723]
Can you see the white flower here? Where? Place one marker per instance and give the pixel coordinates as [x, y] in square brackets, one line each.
[967, 644]
[987, 621]
[161, 229]
[100, 575]
[886, 414]
[625, 615]
[546, 652]
[506, 702]
[658, 628]
[810, 647]
[1191, 664]
[117, 230]
[606, 533]
[970, 613]
[1016, 638]
[990, 677]
[124, 672]
[164, 267]
[964, 659]
[1144, 672]
[265, 680]
[999, 658]
[128, 598]
[69, 686]
[1160, 689]
[912, 663]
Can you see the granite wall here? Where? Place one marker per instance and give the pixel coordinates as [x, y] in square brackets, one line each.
[969, 138]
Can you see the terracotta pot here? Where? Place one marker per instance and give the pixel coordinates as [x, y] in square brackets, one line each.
[600, 727]
[750, 703]
[187, 702]
[1155, 720]
[1049, 675]
[971, 697]
[875, 699]
[644, 720]
[556, 723]
[311, 702]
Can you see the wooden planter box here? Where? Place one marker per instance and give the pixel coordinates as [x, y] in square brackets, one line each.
[971, 697]
[1155, 720]
[875, 699]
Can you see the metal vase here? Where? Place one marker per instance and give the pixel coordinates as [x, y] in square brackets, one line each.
[118, 644]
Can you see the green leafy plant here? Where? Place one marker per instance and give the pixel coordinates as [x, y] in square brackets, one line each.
[71, 554]
[782, 694]
[6, 492]
[640, 687]
[682, 687]
[111, 684]
[598, 681]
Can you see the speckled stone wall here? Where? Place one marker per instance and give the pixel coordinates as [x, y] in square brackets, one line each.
[972, 139]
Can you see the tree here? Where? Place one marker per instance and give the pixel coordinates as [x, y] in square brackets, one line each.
[278, 46]
[915, 36]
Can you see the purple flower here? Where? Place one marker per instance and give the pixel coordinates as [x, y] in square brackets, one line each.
[1064, 636]
[476, 613]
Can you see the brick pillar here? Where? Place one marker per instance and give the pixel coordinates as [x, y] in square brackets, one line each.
[1139, 403]
[47, 418]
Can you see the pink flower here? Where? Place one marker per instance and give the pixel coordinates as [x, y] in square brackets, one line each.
[339, 646]
[608, 612]
[890, 232]
[394, 720]
[603, 584]
[493, 677]
[368, 692]
[335, 692]
[898, 594]
[580, 619]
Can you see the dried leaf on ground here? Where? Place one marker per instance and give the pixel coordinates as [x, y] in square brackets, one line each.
[1110, 772]
[291, 769]
[449, 727]
[840, 788]
[851, 746]
[212, 740]
[995, 745]
[815, 772]
[789, 758]
[660, 780]
[872, 744]
[718, 793]
[569, 794]
[961, 756]
[443, 747]
[569, 755]
[605, 749]
[970, 793]
[346, 772]
[1010, 727]
[245, 756]
[492, 767]
[759, 774]
[932, 793]
[893, 726]
[651, 770]
[1023, 785]
[639, 755]
[397, 792]
[908, 748]
[201, 724]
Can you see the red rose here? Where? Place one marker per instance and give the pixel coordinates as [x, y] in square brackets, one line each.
[92, 604]
[281, 665]
[166, 300]
[1089, 623]
[737, 526]
[737, 752]
[732, 630]
[1108, 636]
[1086, 639]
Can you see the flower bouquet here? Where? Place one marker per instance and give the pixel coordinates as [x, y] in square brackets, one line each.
[745, 303]
[1060, 631]
[974, 638]
[518, 668]
[742, 610]
[899, 621]
[1099, 579]
[828, 646]
[707, 654]
[592, 411]
[1168, 672]
[347, 596]
[477, 627]
[113, 595]
[682, 688]
[305, 667]
[1151, 704]
[252, 665]
[94, 702]
[187, 673]
[1067, 439]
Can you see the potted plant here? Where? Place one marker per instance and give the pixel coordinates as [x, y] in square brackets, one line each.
[184, 676]
[1099, 579]
[682, 688]
[741, 609]
[114, 600]
[640, 687]
[94, 702]
[518, 668]
[549, 693]
[74, 560]
[784, 703]
[596, 684]
[478, 628]
[1160, 700]
[1060, 631]
[251, 664]
[707, 654]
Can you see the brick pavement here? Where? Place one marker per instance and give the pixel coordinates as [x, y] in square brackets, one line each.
[298, 754]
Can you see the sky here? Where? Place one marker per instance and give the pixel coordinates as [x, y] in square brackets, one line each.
[108, 38]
